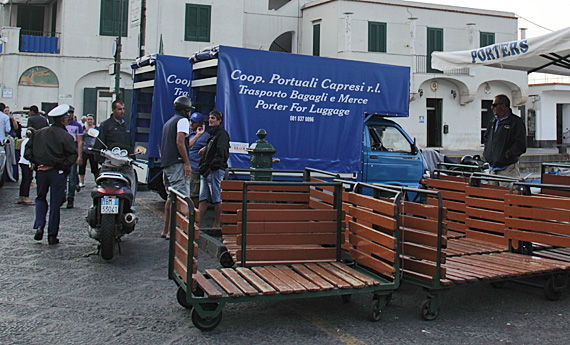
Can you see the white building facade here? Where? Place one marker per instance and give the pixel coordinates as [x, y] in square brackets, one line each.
[447, 111]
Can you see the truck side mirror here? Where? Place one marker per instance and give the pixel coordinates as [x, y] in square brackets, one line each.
[414, 148]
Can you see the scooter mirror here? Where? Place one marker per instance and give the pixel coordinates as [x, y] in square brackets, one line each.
[93, 132]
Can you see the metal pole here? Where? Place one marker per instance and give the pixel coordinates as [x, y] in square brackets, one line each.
[118, 55]
[142, 51]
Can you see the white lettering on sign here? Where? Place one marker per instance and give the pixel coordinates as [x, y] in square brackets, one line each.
[173, 79]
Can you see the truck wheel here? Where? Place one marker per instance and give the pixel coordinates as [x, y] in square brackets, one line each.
[107, 236]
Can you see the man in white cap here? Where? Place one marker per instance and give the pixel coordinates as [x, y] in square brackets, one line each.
[52, 152]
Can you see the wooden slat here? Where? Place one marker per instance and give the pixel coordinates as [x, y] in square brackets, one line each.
[366, 260]
[537, 237]
[222, 281]
[266, 196]
[380, 206]
[297, 287]
[234, 207]
[326, 197]
[206, 286]
[373, 235]
[312, 277]
[422, 267]
[336, 281]
[367, 247]
[356, 283]
[430, 225]
[256, 281]
[362, 277]
[272, 280]
[288, 215]
[238, 281]
[288, 227]
[288, 254]
[374, 218]
[284, 239]
[310, 286]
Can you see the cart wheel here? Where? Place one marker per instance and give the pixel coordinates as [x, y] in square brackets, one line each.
[181, 297]
[206, 323]
[551, 293]
[498, 285]
[426, 313]
[226, 260]
[346, 298]
[376, 312]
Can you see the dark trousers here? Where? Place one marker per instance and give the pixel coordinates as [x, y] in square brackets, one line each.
[54, 182]
[72, 182]
[26, 182]
[92, 163]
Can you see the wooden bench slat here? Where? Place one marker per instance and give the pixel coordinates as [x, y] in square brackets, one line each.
[355, 282]
[266, 196]
[368, 247]
[230, 207]
[360, 276]
[313, 277]
[422, 267]
[256, 281]
[429, 225]
[419, 236]
[377, 265]
[296, 286]
[285, 239]
[322, 196]
[383, 207]
[289, 215]
[288, 254]
[224, 283]
[272, 280]
[336, 281]
[238, 281]
[310, 286]
[206, 286]
[376, 236]
[373, 218]
[288, 227]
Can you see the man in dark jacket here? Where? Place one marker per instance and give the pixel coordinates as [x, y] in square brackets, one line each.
[213, 165]
[35, 120]
[52, 152]
[505, 139]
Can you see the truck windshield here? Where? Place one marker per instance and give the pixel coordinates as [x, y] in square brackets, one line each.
[388, 138]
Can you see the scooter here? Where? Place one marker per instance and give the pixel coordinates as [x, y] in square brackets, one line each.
[112, 214]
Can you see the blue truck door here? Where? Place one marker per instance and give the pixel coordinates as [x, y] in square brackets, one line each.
[389, 157]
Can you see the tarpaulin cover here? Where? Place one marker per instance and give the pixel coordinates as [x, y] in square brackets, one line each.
[545, 54]
[172, 79]
[312, 108]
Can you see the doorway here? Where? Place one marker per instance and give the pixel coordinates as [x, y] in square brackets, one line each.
[434, 122]
[104, 103]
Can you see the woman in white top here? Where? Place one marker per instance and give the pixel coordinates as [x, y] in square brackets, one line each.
[27, 173]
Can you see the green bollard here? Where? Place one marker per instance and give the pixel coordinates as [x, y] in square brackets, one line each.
[261, 157]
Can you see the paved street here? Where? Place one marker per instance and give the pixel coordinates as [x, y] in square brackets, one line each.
[62, 295]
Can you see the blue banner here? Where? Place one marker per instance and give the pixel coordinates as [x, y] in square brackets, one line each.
[312, 108]
[172, 79]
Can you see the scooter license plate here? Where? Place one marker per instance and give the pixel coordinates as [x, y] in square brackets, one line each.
[109, 205]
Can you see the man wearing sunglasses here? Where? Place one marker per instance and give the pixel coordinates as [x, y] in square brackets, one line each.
[505, 140]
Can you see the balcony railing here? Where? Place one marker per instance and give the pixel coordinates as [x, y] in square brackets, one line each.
[421, 66]
[39, 42]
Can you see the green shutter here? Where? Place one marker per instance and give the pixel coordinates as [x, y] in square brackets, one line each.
[377, 37]
[198, 18]
[109, 23]
[434, 43]
[317, 40]
[487, 38]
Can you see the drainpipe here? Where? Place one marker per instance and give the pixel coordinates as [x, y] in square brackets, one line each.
[413, 21]
[348, 31]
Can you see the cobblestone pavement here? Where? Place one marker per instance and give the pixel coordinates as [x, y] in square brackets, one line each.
[62, 295]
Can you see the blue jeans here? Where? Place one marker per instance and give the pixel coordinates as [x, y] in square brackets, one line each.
[72, 182]
[54, 182]
[210, 186]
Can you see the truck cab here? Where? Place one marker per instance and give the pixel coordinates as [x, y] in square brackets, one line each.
[389, 155]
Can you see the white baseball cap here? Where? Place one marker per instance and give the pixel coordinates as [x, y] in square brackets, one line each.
[60, 110]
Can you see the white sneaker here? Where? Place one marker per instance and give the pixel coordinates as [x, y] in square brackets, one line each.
[81, 185]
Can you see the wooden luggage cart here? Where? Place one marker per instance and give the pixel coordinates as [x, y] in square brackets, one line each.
[273, 262]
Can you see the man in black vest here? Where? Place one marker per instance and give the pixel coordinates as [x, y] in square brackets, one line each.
[176, 170]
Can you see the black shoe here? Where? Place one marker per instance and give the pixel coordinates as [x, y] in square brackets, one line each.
[39, 233]
[69, 203]
[52, 239]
